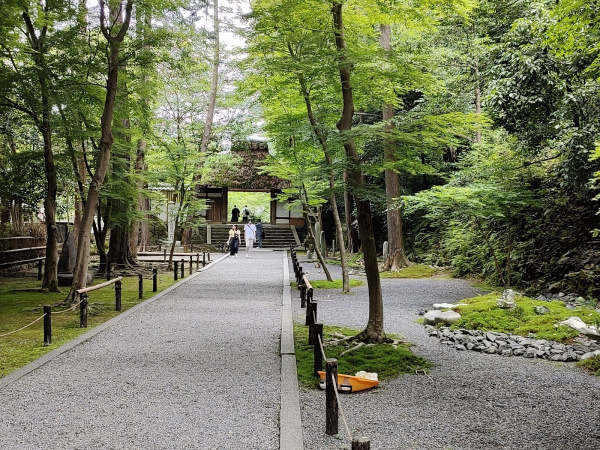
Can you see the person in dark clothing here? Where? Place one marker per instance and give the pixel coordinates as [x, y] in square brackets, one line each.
[235, 214]
[259, 233]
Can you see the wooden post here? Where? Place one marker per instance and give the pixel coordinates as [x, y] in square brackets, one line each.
[165, 255]
[300, 276]
[197, 260]
[191, 262]
[140, 286]
[40, 263]
[331, 406]
[311, 312]
[311, 322]
[108, 271]
[118, 288]
[175, 270]
[83, 310]
[204, 258]
[182, 269]
[318, 355]
[47, 325]
[361, 443]
[154, 279]
[208, 253]
[303, 296]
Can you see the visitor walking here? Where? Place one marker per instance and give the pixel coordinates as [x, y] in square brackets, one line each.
[234, 241]
[249, 236]
[235, 214]
[259, 233]
[245, 214]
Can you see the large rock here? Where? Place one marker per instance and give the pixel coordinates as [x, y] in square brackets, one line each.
[577, 324]
[447, 305]
[68, 255]
[444, 317]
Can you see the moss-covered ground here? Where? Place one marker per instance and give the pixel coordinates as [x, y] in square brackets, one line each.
[482, 313]
[387, 361]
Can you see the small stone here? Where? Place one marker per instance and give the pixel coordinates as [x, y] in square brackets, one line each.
[541, 310]
[460, 347]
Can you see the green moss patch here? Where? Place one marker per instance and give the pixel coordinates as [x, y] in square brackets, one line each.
[415, 271]
[482, 313]
[387, 361]
[592, 365]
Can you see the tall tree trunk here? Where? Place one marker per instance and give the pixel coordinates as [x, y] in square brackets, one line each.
[141, 233]
[477, 99]
[106, 141]
[352, 238]
[37, 42]
[336, 215]
[397, 255]
[374, 330]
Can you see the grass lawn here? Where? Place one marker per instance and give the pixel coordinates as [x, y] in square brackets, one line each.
[387, 361]
[22, 302]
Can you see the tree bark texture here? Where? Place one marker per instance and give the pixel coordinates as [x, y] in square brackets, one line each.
[374, 330]
[106, 141]
[397, 255]
[336, 215]
[37, 43]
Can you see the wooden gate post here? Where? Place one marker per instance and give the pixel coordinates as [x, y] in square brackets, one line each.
[175, 270]
[182, 269]
[191, 263]
[154, 279]
[331, 406]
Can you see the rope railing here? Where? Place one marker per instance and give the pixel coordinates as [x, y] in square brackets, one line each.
[22, 328]
[83, 306]
[333, 404]
[337, 396]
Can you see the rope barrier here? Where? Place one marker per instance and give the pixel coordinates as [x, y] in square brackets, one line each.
[16, 331]
[322, 349]
[340, 407]
[69, 309]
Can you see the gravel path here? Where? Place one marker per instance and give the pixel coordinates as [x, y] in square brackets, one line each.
[197, 368]
[471, 401]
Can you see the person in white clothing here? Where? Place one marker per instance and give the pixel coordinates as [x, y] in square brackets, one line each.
[249, 236]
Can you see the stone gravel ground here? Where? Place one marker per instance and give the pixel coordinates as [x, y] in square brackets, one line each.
[196, 368]
[469, 401]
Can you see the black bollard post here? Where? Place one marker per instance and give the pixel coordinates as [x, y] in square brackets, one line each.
[361, 443]
[197, 260]
[154, 279]
[311, 312]
[182, 269]
[208, 252]
[203, 258]
[175, 270]
[318, 355]
[118, 288]
[165, 255]
[108, 271]
[83, 310]
[303, 296]
[47, 325]
[331, 406]
[191, 262]
[140, 286]
[311, 325]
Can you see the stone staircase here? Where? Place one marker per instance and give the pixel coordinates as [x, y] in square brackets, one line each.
[276, 236]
